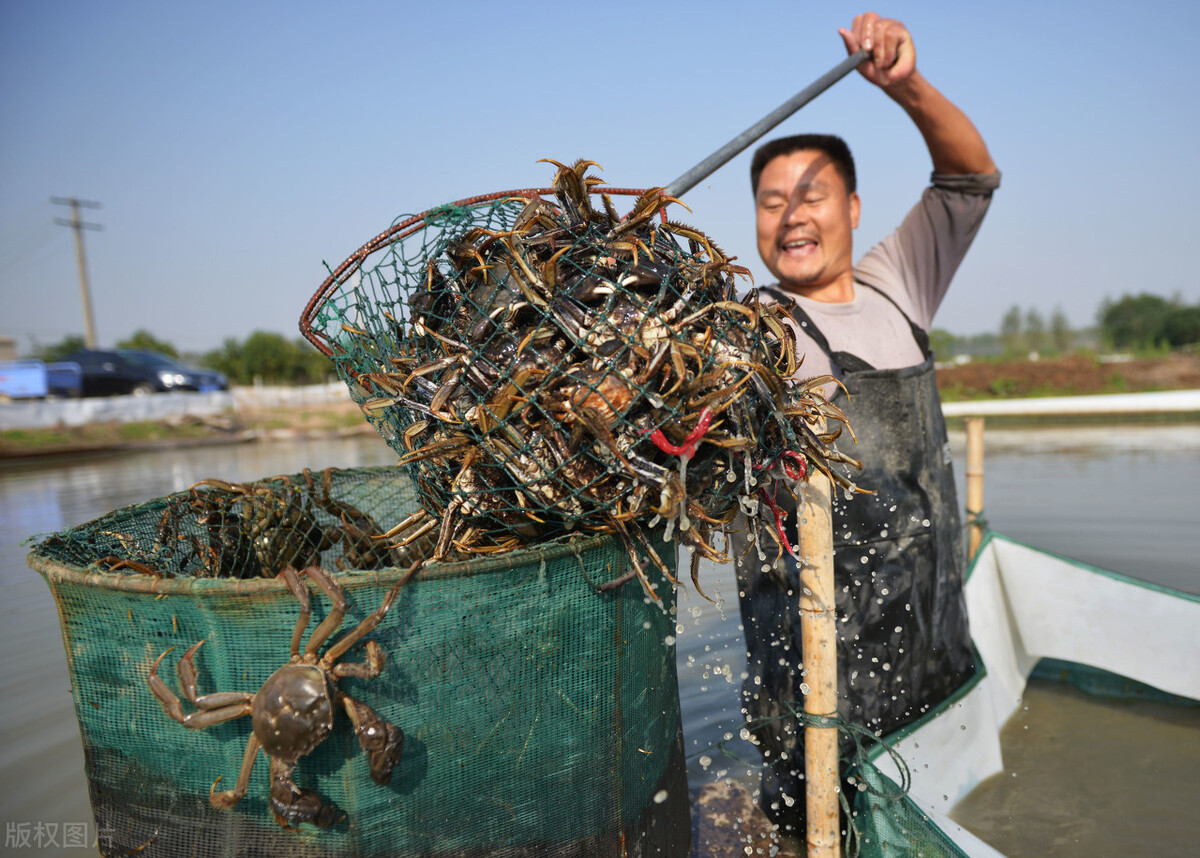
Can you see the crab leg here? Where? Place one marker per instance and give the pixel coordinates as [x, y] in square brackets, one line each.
[228, 798]
[369, 669]
[370, 621]
[215, 708]
[334, 618]
[301, 593]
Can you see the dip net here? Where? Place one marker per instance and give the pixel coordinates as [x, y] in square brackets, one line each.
[544, 364]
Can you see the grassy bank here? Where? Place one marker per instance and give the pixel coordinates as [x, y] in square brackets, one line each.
[232, 427]
[1073, 375]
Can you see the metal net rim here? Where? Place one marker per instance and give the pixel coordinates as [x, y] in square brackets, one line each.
[399, 231]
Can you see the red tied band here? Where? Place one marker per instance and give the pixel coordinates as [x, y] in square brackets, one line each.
[780, 520]
[688, 448]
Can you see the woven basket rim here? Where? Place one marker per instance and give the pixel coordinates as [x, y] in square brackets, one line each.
[57, 572]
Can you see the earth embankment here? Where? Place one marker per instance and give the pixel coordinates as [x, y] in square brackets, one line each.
[1067, 376]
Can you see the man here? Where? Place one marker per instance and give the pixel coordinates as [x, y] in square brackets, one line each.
[903, 639]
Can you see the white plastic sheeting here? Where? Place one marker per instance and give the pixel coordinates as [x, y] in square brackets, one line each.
[1026, 605]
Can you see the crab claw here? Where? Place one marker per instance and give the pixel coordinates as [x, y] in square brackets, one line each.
[304, 806]
[382, 742]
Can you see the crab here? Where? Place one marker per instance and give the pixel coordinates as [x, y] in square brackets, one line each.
[293, 712]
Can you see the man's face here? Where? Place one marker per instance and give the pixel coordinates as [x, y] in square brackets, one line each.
[805, 222]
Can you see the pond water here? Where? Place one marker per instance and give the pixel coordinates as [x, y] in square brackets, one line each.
[1126, 499]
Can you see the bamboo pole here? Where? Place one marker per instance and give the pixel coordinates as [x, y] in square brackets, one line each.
[818, 633]
[974, 484]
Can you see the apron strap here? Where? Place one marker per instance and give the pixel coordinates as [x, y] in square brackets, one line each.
[846, 361]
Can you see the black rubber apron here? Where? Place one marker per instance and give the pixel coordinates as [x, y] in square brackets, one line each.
[903, 642]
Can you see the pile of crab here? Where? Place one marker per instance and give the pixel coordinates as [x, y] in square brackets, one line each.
[219, 529]
[580, 370]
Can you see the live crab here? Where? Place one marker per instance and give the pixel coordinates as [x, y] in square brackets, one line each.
[293, 712]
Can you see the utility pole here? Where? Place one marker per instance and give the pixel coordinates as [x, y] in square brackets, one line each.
[76, 223]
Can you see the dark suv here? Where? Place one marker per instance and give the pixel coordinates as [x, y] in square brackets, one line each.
[117, 371]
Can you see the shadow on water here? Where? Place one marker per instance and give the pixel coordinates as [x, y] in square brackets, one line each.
[1126, 501]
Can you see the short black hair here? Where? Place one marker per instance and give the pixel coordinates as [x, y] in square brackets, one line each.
[833, 146]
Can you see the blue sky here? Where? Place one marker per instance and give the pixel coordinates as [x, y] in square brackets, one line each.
[236, 147]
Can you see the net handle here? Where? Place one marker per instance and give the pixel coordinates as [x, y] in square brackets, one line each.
[718, 159]
[395, 233]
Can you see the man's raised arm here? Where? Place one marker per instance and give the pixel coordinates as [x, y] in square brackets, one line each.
[956, 146]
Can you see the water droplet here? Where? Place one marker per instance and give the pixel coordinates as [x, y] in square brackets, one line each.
[660, 796]
[705, 761]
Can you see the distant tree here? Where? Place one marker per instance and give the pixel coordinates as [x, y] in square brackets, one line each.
[317, 368]
[58, 351]
[146, 341]
[1061, 336]
[1182, 326]
[1135, 321]
[1035, 330]
[943, 343]
[1010, 330]
[227, 360]
[271, 357]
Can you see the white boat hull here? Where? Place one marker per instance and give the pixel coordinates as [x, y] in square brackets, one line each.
[1026, 605]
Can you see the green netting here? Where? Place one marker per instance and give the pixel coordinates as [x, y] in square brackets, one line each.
[541, 716]
[218, 529]
[888, 824]
[547, 365]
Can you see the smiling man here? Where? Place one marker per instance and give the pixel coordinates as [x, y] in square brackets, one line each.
[903, 642]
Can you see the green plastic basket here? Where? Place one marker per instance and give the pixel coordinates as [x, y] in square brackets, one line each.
[541, 716]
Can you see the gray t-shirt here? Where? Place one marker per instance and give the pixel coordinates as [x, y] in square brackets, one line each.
[914, 266]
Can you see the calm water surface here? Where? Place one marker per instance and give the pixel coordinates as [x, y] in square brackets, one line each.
[1125, 499]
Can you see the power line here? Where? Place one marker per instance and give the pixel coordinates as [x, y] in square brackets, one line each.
[76, 223]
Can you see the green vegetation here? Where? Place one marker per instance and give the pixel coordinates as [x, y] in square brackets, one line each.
[1023, 332]
[1148, 323]
[1142, 324]
[270, 357]
[146, 341]
[57, 351]
[15, 442]
[333, 419]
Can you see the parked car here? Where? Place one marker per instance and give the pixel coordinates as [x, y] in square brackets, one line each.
[130, 371]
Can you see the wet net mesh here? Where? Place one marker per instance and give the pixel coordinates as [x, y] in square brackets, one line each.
[540, 716]
[544, 364]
